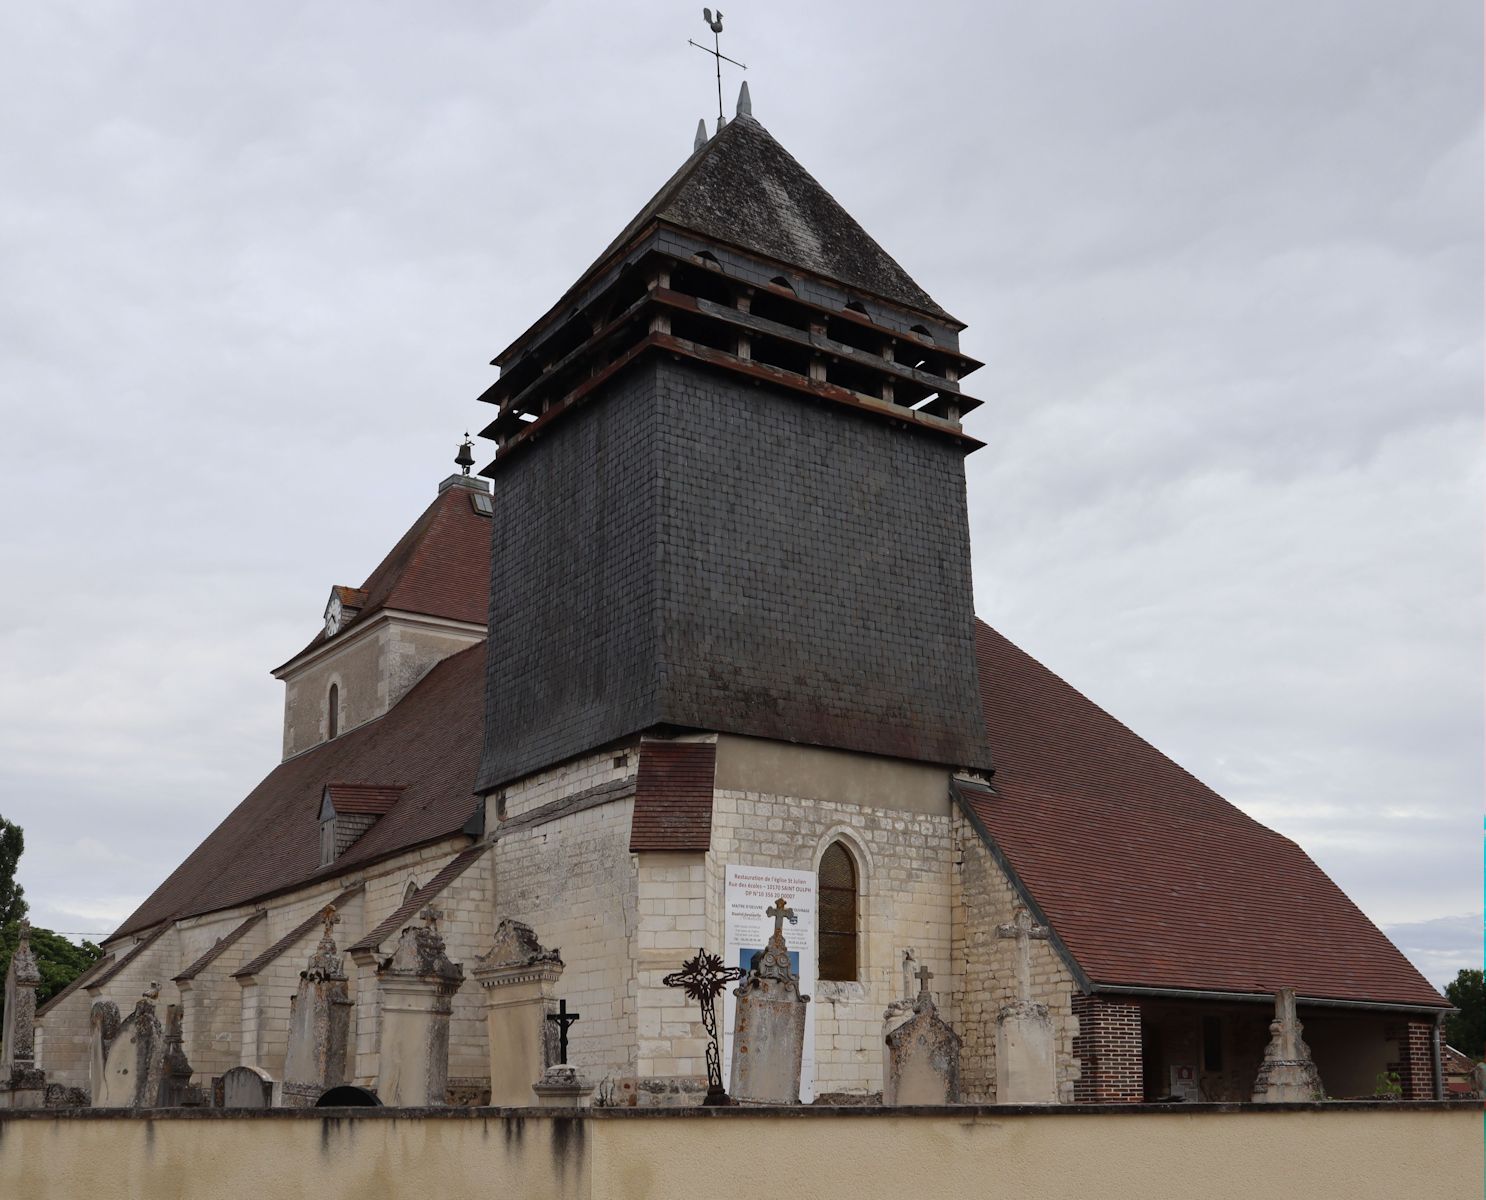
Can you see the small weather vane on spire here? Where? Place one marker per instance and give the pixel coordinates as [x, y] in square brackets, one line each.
[714, 23]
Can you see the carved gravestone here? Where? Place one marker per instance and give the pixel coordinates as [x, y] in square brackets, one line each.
[175, 1074]
[1287, 1072]
[769, 1024]
[518, 976]
[103, 1027]
[247, 1087]
[135, 1062]
[416, 984]
[923, 1054]
[22, 1085]
[1026, 1047]
[319, 1024]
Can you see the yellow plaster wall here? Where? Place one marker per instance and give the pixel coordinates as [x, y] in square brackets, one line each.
[985, 1154]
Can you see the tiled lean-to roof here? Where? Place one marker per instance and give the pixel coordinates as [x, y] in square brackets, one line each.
[1148, 876]
[673, 796]
[271, 841]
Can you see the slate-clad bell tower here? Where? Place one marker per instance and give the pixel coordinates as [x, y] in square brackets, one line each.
[729, 487]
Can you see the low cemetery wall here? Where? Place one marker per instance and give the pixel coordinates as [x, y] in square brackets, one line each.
[1143, 1152]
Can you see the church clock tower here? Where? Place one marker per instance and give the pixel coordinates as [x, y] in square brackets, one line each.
[730, 486]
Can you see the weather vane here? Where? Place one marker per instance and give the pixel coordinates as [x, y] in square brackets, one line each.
[715, 24]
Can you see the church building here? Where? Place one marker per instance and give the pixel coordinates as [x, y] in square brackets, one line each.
[705, 617]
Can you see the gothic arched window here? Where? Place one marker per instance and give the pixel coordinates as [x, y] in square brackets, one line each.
[836, 882]
[335, 709]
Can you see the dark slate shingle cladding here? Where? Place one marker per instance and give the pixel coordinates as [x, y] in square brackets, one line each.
[690, 550]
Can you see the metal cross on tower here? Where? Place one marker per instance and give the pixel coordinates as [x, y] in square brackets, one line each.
[564, 1021]
[715, 24]
[703, 979]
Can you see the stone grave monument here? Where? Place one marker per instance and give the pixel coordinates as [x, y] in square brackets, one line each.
[319, 1024]
[1026, 1048]
[769, 1024]
[134, 1062]
[175, 1073]
[247, 1087]
[416, 983]
[561, 1084]
[22, 1085]
[923, 1054]
[519, 978]
[1287, 1072]
[103, 1027]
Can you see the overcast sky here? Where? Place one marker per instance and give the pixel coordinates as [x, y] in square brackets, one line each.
[1223, 262]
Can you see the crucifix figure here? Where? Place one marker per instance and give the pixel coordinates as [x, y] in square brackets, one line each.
[703, 979]
[330, 918]
[1025, 930]
[563, 1020]
[715, 24]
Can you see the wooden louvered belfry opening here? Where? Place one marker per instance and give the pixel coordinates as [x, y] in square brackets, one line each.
[837, 886]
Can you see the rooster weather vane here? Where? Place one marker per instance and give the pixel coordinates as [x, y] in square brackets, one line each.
[714, 23]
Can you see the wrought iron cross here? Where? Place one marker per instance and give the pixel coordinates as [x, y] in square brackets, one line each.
[703, 979]
[563, 1020]
[715, 24]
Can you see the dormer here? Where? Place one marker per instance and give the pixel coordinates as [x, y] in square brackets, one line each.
[347, 811]
[428, 599]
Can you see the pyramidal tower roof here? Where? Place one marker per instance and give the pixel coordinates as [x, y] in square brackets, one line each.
[743, 188]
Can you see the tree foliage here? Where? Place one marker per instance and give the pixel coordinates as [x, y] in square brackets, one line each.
[1466, 1030]
[12, 895]
[58, 960]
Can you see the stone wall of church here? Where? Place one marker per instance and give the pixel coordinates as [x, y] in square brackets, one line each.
[986, 979]
[905, 862]
[570, 876]
[372, 671]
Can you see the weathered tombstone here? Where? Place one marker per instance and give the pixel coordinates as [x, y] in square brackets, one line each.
[23, 1085]
[769, 1024]
[519, 977]
[923, 1055]
[135, 1063]
[1026, 1049]
[175, 1075]
[247, 1087]
[1287, 1072]
[103, 1026]
[319, 1024]
[417, 983]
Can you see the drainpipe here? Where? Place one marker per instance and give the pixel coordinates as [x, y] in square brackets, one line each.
[1434, 1055]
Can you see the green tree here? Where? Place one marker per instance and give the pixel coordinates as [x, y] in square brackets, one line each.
[12, 895]
[1466, 1030]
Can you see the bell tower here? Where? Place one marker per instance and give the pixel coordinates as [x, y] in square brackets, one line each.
[730, 476]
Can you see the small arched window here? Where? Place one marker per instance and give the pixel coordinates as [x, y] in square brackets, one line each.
[335, 709]
[837, 884]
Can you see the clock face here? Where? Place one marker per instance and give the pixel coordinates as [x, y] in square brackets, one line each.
[332, 615]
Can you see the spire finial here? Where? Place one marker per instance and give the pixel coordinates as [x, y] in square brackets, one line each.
[745, 101]
[701, 138]
[465, 459]
[715, 25]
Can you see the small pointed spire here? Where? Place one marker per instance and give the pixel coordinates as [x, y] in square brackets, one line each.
[745, 101]
[701, 138]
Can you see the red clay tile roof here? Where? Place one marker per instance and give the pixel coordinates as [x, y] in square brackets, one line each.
[271, 841]
[224, 942]
[440, 568]
[673, 796]
[425, 895]
[1148, 876]
[249, 969]
[370, 798]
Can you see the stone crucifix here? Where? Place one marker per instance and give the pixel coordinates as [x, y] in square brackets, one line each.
[1025, 930]
[923, 975]
[781, 912]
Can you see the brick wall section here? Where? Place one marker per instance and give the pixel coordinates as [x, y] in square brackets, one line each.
[687, 549]
[1108, 1049]
[986, 971]
[1415, 1061]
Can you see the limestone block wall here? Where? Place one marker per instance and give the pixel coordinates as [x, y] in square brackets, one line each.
[562, 782]
[574, 881]
[674, 903]
[373, 669]
[211, 1018]
[986, 974]
[905, 864]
